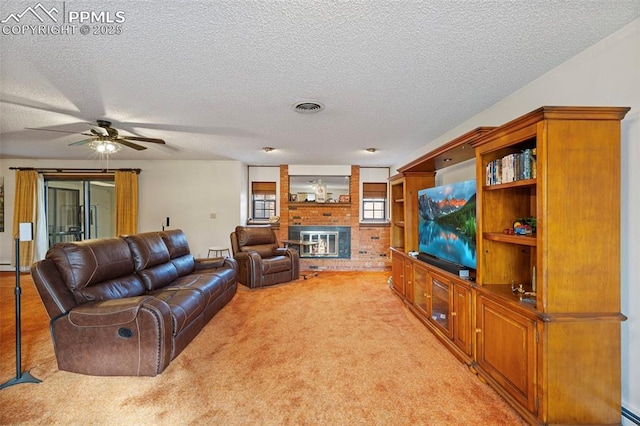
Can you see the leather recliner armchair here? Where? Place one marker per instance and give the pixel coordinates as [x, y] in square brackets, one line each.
[260, 261]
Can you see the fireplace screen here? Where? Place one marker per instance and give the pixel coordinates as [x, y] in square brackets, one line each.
[325, 244]
[322, 241]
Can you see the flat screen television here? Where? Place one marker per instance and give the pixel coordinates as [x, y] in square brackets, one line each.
[447, 225]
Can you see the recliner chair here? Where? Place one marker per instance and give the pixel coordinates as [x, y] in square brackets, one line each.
[261, 262]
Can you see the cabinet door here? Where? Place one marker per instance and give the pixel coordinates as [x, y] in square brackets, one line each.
[506, 345]
[461, 316]
[440, 304]
[408, 279]
[397, 272]
[420, 294]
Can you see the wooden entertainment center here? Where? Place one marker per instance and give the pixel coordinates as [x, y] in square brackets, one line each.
[551, 347]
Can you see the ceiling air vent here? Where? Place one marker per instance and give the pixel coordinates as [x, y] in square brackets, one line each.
[308, 107]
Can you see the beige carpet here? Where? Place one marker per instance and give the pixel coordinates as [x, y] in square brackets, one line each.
[337, 349]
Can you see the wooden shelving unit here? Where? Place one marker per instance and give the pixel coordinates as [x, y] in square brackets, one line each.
[552, 353]
[553, 368]
[404, 204]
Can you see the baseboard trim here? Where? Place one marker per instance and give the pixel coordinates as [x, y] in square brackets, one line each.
[631, 416]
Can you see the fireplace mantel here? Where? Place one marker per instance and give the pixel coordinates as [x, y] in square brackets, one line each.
[314, 204]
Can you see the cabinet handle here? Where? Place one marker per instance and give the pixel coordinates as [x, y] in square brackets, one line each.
[428, 296]
[453, 314]
[478, 330]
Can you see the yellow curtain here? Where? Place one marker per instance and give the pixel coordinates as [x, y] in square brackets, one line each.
[126, 202]
[24, 211]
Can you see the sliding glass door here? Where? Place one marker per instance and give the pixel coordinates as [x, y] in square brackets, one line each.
[80, 209]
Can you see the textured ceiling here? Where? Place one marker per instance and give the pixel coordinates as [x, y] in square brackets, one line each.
[217, 79]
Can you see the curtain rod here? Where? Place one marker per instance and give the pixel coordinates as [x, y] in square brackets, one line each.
[64, 170]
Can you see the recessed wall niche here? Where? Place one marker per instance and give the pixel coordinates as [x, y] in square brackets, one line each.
[303, 188]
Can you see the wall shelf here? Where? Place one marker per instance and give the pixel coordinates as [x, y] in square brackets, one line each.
[524, 240]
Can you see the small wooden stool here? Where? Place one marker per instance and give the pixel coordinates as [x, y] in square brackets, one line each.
[218, 251]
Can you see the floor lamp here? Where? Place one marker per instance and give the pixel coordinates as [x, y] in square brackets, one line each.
[25, 234]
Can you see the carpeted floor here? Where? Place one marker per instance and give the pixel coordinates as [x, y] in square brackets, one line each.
[337, 349]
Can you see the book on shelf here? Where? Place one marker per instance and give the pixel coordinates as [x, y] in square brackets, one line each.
[511, 167]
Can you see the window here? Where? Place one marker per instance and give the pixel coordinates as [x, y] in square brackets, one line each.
[80, 207]
[263, 200]
[374, 201]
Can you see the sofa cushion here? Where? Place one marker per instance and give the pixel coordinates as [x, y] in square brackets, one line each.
[276, 264]
[97, 269]
[185, 305]
[264, 250]
[210, 284]
[179, 252]
[126, 286]
[158, 276]
[148, 250]
[259, 239]
[176, 242]
[184, 264]
[255, 235]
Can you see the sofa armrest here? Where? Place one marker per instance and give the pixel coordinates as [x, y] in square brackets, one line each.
[108, 312]
[288, 251]
[249, 268]
[209, 262]
[120, 337]
[295, 262]
[204, 264]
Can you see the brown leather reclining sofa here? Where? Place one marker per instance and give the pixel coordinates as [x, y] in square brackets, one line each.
[128, 306]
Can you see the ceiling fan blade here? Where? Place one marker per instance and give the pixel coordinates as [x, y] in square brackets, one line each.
[60, 131]
[141, 139]
[82, 142]
[50, 130]
[131, 144]
[201, 130]
[99, 130]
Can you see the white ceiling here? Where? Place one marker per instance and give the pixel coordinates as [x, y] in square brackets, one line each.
[217, 79]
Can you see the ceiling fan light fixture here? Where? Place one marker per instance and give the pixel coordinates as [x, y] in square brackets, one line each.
[106, 147]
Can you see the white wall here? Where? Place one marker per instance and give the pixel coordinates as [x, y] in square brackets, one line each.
[318, 170]
[243, 202]
[457, 173]
[608, 74]
[373, 174]
[186, 191]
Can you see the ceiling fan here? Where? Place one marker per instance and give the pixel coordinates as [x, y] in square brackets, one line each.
[105, 139]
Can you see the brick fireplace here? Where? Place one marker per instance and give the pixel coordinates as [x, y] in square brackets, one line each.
[367, 246]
